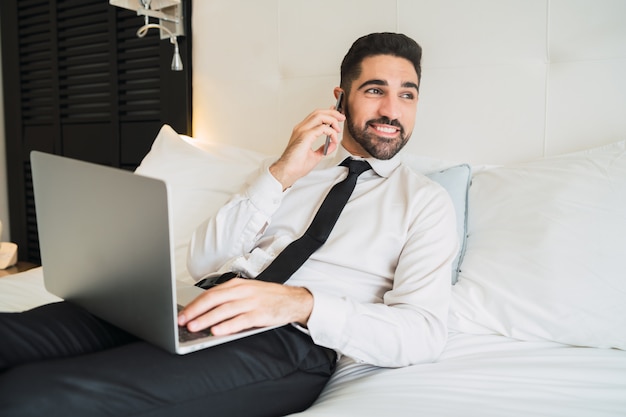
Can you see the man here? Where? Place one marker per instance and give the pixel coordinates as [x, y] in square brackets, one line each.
[376, 292]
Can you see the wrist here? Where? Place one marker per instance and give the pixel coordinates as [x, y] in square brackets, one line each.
[304, 300]
[280, 172]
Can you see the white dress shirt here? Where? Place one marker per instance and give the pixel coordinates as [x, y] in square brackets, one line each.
[380, 283]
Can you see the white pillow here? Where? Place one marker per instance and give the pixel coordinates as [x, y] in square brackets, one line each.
[200, 178]
[545, 251]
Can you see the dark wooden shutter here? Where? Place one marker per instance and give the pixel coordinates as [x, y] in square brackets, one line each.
[78, 82]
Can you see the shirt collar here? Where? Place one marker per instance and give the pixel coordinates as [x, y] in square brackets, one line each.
[384, 168]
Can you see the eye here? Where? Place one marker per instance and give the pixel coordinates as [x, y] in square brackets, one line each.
[374, 90]
[408, 96]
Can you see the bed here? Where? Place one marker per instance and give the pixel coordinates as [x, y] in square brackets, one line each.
[538, 318]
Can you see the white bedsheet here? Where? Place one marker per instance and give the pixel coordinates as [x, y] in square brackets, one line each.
[24, 291]
[477, 375]
[486, 375]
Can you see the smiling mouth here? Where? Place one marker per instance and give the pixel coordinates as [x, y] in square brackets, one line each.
[385, 130]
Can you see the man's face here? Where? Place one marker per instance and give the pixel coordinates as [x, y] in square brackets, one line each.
[380, 107]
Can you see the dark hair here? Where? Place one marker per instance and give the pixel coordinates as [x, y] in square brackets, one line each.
[385, 43]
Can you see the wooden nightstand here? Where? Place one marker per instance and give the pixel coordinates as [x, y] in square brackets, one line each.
[19, 267]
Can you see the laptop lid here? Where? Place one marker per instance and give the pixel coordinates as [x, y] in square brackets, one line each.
[104, 237]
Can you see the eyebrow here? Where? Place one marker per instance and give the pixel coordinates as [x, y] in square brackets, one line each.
[406, 84]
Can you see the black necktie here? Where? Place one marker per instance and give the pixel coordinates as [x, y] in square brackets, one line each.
[298, 251]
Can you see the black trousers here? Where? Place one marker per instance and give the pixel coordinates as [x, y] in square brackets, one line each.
[60, 360]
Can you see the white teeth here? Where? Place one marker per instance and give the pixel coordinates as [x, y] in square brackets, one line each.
[385, 129]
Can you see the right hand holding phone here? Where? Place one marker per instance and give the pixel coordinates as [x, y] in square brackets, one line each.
[299, 157]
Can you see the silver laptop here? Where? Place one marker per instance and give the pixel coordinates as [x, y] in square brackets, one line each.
[104, 237]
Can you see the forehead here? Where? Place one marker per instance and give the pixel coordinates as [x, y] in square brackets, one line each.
[393, 69]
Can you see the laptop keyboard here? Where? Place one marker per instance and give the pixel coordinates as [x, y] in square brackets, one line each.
[184, 335]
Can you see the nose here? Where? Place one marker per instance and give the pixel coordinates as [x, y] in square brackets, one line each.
[390, 107]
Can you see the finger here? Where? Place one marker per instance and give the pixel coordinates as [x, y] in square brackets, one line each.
[333, 119]
[223, 313]
[206, 301]
[332, 145]
[328, 117]
[326, 130]
[300, 151]
[237, 324]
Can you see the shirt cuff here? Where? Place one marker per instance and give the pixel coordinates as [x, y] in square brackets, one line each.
[327, 321]
[265, 193]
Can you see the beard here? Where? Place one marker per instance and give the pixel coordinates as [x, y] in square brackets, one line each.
[377, 146]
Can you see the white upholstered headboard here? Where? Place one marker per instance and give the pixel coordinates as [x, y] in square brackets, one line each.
[503, 80]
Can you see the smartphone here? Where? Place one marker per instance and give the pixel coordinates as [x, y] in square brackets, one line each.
[337, 107]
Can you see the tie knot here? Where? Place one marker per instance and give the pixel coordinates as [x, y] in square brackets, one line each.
[356, 166]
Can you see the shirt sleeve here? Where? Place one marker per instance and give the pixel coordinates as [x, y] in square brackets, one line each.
[410, 325]
[236, 227]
